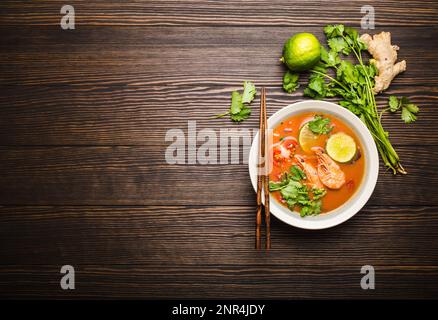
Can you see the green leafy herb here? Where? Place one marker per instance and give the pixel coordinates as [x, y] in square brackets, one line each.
[275, 186]
[243, 114]
[394, 104]
[408, 116]
[318, 193]
[290, 81]
[239, 109]
[296, 194]
[236, 102]
[332, 31]
[330, 58]
[320, 125]
[317, 88]
[292, 190]
[297, 173]
[409, 110]
[249, 92]
[412, 107]
[311, 208]
[337, 44]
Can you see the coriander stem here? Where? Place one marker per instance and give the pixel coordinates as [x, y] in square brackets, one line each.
[331, 78]
[219, 115]
[387, 149]
[382, 112]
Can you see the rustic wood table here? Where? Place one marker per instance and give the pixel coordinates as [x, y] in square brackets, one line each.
[83, 176]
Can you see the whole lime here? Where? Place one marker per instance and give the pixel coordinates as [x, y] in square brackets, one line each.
[301, 52]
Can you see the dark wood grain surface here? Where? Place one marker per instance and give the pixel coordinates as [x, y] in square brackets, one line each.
[84, 181]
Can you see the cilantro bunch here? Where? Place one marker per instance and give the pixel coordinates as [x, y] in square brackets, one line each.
[297, 194]
[290, 81]
[320, 125]
[334, 76]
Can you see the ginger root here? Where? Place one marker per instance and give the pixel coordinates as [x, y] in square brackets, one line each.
[385, 58]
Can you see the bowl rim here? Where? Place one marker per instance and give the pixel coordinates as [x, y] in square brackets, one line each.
[361, 196]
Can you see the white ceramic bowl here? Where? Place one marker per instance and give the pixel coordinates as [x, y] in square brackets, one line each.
[366, 188]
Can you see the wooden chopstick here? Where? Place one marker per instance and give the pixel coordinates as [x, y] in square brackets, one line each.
[266, 173]
[263, 176]
[259, 178]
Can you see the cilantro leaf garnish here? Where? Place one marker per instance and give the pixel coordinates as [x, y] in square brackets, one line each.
[290, 81]
[407, 115]
[249, 92]
[393, 103]
[311, 208]
[297, 173]
[318, 193]
[330, 58]
[291, 190]
[297, 194]
[239, 109]
[337, 44]
[409, 110]
[334, 30]
[275, 186]
[243, 114]
[320, 125]
[236, 102]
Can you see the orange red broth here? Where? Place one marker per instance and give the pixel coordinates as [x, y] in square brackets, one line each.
[353, 171]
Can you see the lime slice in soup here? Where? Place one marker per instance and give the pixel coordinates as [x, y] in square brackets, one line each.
[341, 147]
[307, 139]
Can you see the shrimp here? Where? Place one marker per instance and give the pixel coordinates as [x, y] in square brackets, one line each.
[310, 171]
[328, 171]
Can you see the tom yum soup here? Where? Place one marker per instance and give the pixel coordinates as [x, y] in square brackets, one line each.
[318, 163]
